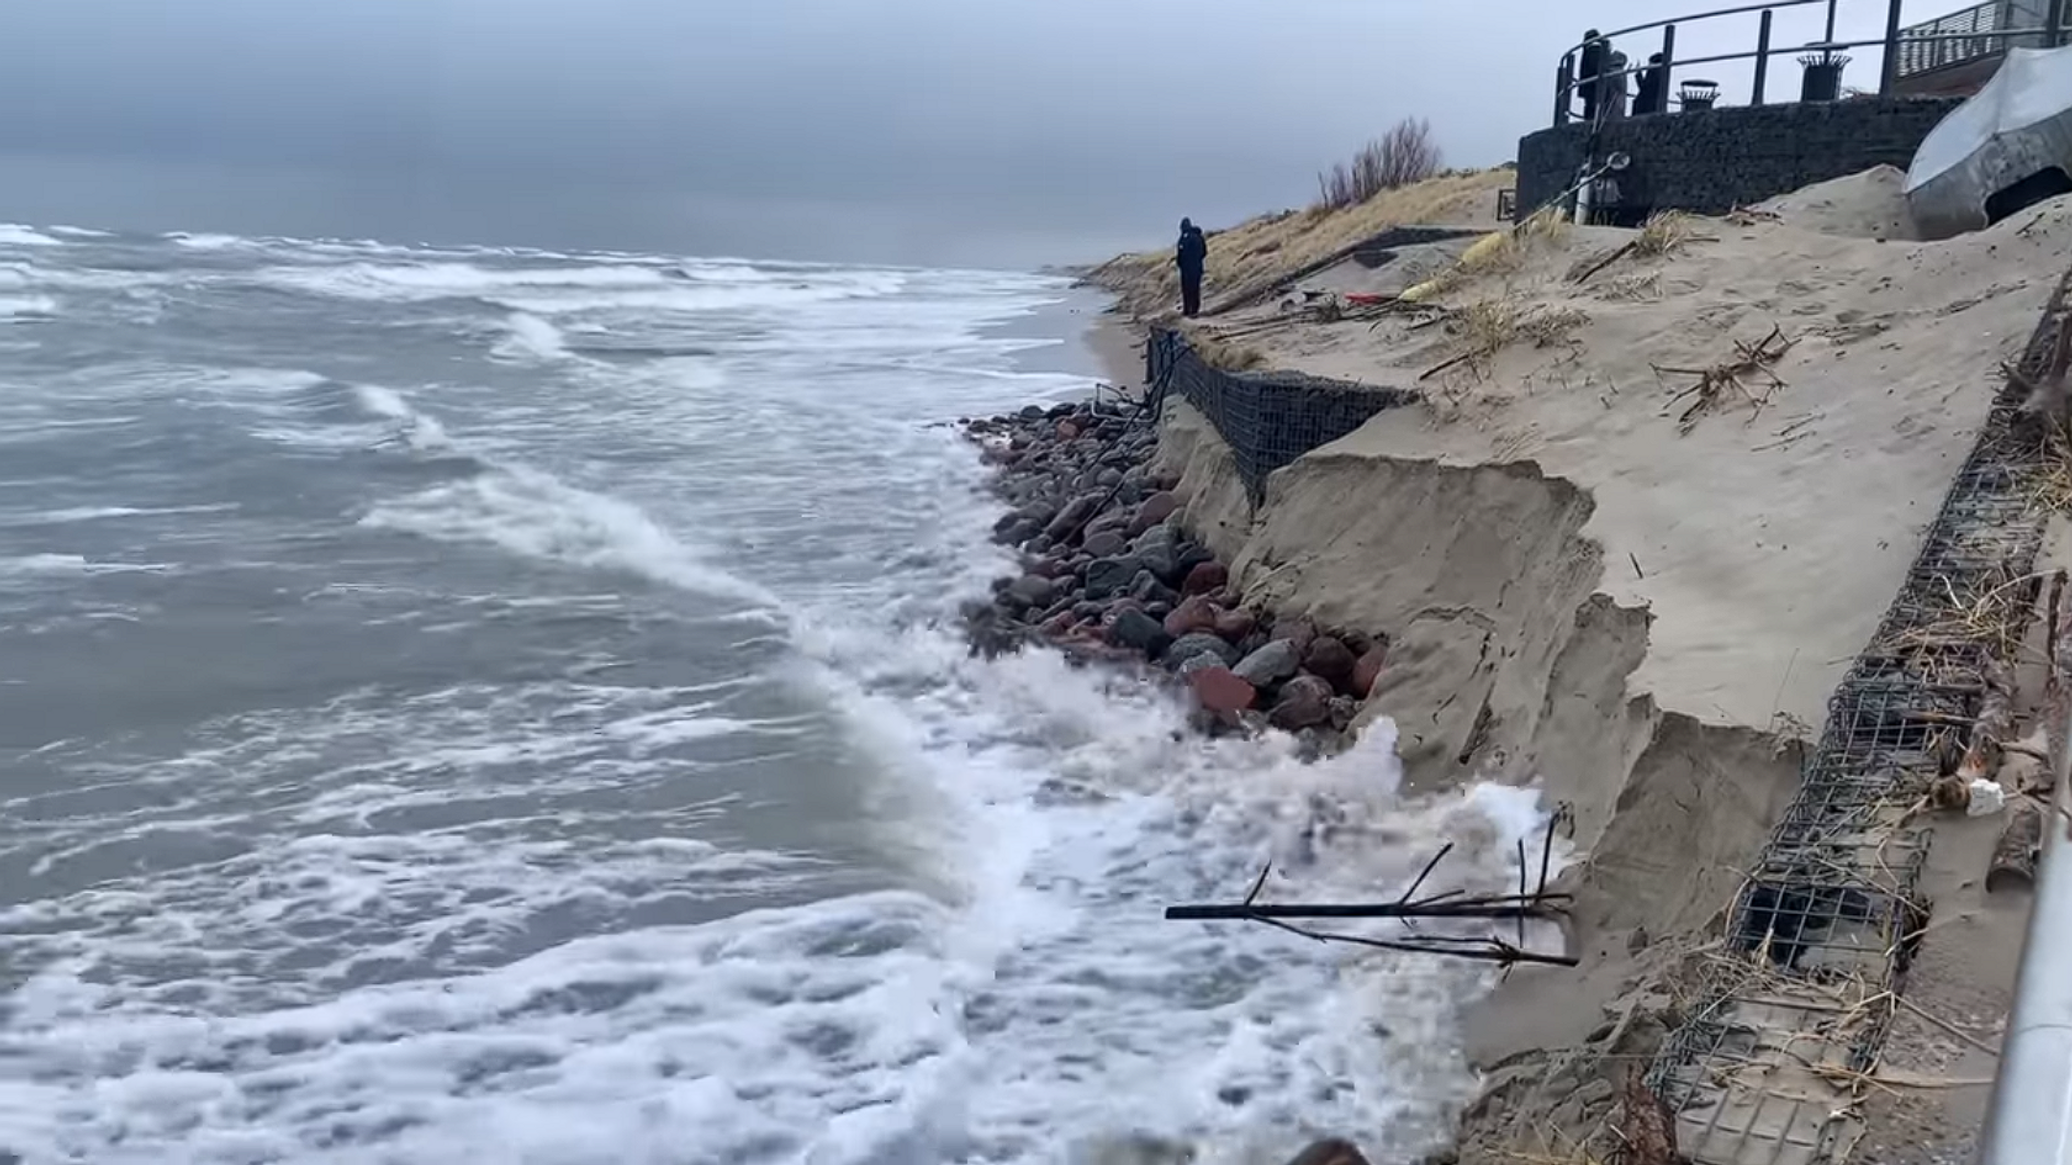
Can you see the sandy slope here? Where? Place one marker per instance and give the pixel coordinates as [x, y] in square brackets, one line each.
[1631, 610]
[1254, 254]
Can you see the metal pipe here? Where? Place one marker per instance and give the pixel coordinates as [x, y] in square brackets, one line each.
[1837, 46]
[1662, 86]
[1617, 32]
[2054, 25]
[2030, 1122]
[1762, 58]
[1889, 71]
[1562, 79]
[1830, 34]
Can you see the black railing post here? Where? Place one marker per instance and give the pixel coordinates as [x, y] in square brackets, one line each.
[1663, 88]
[1562, 72]
[1890, 72]
[1830, 37]
[1762, 58]
[2054, 25]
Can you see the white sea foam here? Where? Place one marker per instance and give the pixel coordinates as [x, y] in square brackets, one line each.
[530, 337]
[16, 307]
[416, 429]
[422, 281]
[564, 288]
[697, 298]
[72, 232]
[73, 564]
[17, 235]
[535, 515]
[206, 242]
[101, 513]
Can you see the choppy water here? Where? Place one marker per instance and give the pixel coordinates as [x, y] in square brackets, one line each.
[500, 706]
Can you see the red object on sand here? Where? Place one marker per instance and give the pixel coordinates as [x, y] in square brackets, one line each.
[1367, 297]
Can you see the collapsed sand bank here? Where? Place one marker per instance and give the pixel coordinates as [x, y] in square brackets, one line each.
[1639, 608]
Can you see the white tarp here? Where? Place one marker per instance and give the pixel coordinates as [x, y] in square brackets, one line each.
[2018, 124]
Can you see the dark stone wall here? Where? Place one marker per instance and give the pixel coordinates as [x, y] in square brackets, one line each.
[1267, 418]
[1709, 161]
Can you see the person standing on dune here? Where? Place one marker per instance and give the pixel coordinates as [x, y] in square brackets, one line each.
[1191, 256]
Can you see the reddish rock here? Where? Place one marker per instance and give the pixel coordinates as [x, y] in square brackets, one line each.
[1194, 614]
[1059, 624]
[1331, 659]
[1067, 431]
[1221, 691]
[1206, 578]
[1106, 543]
[1367, 669]
[1155, 510]
[1305, 702]
[1076, 511]
[1117, 519]
[1236, 625]
[1335, 1151]
[1114, 608]
[1301, 632]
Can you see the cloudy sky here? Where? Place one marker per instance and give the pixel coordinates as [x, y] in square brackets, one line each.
[974, 132]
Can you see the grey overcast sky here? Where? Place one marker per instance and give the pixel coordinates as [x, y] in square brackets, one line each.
[972, 132]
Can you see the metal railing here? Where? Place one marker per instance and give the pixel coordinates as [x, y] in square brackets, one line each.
[1961, 37]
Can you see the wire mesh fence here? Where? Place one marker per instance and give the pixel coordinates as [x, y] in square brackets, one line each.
[1824, 925]
[1267, 418]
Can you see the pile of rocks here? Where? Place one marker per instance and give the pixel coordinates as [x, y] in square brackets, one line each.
[1108, 574]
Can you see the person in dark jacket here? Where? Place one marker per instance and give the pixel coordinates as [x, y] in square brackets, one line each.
[1191, 255]
[1589, 66]
[1649, 95]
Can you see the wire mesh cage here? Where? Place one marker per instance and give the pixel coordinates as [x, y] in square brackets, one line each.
[1268, 419]
[1821, 932]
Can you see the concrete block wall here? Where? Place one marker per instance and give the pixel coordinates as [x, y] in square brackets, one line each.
[1709, 161]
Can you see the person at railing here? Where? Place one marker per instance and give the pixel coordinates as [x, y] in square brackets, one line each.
[1589, 67]
[1191, 256]
[1611, 88]
[1651, 91]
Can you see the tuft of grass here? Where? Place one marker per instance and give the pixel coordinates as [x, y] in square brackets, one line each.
[1224, 354]
[1644, 285]
[1665, 232]
[1547, 226]
[1550, 325]
[1489, 325]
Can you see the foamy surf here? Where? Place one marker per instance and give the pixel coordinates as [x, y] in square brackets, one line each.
[530, 337]
[571, 759]
[16, 307]
[17, 235]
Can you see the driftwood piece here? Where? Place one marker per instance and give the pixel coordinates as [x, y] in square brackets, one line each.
[1606, 260]
[1995, 723]
[2015, 854]
[1711, 384]
[1646, 1126]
